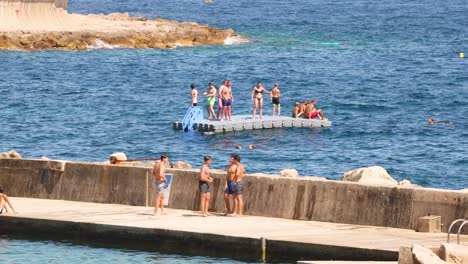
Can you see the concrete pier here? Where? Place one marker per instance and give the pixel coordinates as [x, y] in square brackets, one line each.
[245, 122]
[185, 231]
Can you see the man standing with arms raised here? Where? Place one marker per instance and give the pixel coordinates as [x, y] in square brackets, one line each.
[160, 182]
[204, 186]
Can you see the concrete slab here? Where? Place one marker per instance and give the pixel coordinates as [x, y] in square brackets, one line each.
[302, 239]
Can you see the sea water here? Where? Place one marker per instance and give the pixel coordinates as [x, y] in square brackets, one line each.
[14, 250]
[377, 69]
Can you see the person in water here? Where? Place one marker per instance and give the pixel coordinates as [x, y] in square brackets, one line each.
[275, 99]
[194, 95]
[4, 201]
[210, 100]
[258, 100]
[431, 121]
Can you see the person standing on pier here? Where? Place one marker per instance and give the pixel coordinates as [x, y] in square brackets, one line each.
[238, 187]
[258, 102]
[159, 183]
[194, 95]
[226, 97]
[4, 201]
[229, 186]
[275, 99]
[220, 99]
[210, 101]
[204, 186]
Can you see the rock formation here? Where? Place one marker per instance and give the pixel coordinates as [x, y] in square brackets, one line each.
[46, 24]
[374, 175]
[12, 154]
[181, 165]
[289, 173]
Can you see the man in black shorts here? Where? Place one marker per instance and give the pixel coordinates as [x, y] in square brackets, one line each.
[204, 187]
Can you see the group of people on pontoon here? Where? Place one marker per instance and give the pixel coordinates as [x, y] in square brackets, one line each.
[307, 110]
[226, 98]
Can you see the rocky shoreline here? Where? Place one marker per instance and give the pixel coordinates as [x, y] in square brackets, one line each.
[156, 34]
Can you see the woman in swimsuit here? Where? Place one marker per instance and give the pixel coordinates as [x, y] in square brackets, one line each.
[258, 102]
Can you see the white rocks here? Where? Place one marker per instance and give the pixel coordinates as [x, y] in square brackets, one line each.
[118, 155]
[374, 175]
[181, 165]
[454, 253]
[289, 173]
[422, 255]
[407, 183]
[12, 154]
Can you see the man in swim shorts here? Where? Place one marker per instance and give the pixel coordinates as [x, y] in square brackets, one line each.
[230, 184]
[204, 186]
[275, 99]
[4, 201]
[160, 182]
[238, 187]
[226, 98]
[316, 112]
[220, 99]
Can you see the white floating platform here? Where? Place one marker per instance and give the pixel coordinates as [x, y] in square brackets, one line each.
[245, 122]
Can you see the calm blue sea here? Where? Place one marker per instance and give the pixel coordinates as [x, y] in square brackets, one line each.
[13, 250]
[378, 70]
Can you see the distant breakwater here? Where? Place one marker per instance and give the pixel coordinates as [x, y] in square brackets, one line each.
[291, 198]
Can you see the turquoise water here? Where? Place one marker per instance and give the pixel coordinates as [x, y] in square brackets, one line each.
[49, 251]
[378, 70]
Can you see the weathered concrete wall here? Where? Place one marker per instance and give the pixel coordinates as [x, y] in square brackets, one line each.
[448, 204]
[303, 198]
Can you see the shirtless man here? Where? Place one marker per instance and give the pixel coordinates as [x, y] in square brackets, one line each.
[302, 111]
[230, 184]
[275, 99]
[258, 101]
[220, 99]
[316, 112]
[296, 110]
[309, 110]
[194, 95]
[159, 182]
[238, 187]
[227, 101]
[204, 186]
[3, 203]
[210, 100]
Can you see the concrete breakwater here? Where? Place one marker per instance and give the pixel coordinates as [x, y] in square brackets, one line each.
[46, 24]
[299, 198]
